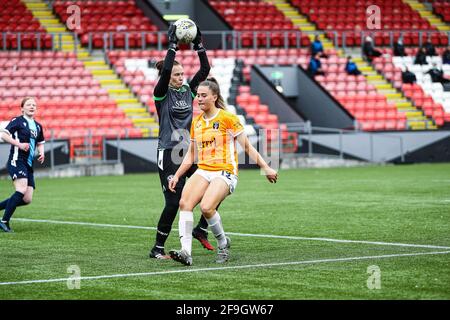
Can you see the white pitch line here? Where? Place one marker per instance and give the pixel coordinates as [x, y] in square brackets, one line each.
[89, 224]
[242, 234]
[189, 270]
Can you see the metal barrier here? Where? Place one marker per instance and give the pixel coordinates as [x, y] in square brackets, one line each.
[423, 34]
[156, 39]
[306, 132]
[86, 148]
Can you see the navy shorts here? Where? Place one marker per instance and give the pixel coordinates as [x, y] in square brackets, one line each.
[21, 170]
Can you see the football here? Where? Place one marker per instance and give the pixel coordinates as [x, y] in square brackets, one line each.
[186, 30]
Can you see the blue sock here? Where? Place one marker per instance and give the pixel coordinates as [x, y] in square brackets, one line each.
[12, 204]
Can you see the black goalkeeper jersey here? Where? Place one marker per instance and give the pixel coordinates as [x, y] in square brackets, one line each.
[175, 117]
[174, 106]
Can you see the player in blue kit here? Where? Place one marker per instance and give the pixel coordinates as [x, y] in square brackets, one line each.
[25, 136]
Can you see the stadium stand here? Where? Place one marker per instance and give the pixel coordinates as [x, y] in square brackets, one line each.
[72, 101]
[441, 8]
[66, 79]
[363, 100]
[20, 28]
[253, 16]
[350, 17]
[123, 18]
[426, 95]
[359, 97]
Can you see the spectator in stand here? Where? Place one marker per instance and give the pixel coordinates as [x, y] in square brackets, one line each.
[315, 66]
[351, 67]
[408, 76]
[317, 47]
[446, 56]
[429, 47]
[369, 50]
[437, 75]
[421, 56]
[399, 48]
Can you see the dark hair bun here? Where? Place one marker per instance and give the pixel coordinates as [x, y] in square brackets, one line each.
[159, 65]
[212, 79]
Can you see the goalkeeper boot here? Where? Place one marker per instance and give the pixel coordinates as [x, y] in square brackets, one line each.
[202, 236]
[158, 253]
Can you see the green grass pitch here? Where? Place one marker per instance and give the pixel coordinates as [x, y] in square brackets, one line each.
[285, 238]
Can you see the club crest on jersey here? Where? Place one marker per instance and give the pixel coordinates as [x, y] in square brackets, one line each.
[216, 125]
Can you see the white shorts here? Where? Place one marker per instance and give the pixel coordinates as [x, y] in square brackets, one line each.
[230, 179]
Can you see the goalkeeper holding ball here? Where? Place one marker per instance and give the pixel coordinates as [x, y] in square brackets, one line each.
[174, 105]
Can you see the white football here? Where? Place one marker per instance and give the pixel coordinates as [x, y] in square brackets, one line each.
[186, 30]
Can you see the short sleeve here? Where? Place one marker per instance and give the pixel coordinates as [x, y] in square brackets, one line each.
[235, 125]
[12, 126]
[40, 138]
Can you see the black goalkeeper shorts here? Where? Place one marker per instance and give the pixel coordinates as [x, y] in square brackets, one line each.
[168, 164]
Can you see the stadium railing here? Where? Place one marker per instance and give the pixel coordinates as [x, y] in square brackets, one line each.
[224, 39]
[87, 147]
[306, 132]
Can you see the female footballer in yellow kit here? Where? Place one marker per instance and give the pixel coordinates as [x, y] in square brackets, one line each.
[213, 135]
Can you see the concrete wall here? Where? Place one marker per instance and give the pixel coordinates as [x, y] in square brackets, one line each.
[318, 105]
[150, 11]
[302, 99]
[261, 86]
[186, 7]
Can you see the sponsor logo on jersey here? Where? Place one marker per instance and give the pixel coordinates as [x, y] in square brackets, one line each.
[207, 144]
[180, 105]
[33, 133]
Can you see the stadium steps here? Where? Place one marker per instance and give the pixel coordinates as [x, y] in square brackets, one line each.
[122, 94]
[299, 20]
[428, 15]
[63, 41]
[416, 120]
[302, 22]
